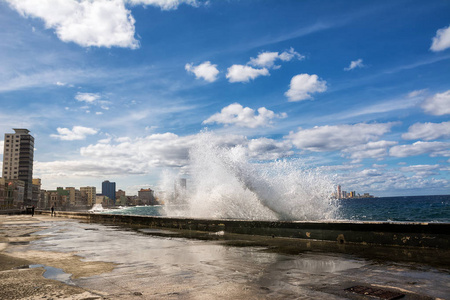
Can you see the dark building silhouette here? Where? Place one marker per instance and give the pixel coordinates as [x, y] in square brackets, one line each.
[109, 190]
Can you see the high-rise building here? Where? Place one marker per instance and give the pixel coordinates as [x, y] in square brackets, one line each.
[109, 190]
[18, 154]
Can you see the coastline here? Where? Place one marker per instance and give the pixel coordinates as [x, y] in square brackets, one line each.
[115, 262]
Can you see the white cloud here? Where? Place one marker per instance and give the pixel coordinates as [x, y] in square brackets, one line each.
[264, 59]
[427, 131]
[269, 149]
[338, 137]
[99, 113]
[87, 97]
[131, 156]
[267, 59]
[290, 54]
[241, 116]
[206, 70]
[355, 64]
[2, 143]
[419, 148]
[77, 133]
[421, 170]
[374, 150]
[164, 4]
[442, 39]
[100, 23]
[438, 105]
[241, 73]
[417, 93]
[371, 173]
[303, 85]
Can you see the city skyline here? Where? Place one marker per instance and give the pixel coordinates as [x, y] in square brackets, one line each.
[357, 89]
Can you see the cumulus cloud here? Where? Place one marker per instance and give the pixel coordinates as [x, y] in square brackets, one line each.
[427, 131]
[241, 73]
[260, 65]
[87, 97]
[100, 23]
[206, 70]
[77, 133]
[355, 64]
[267, 59]
[422, 170]
[240, 116]
[438, 105]
[269, 149]
[131, 156]
[418, 148]
[303, 85]
[1, 147]
[442, 40]
[338, 137]
[375, 150]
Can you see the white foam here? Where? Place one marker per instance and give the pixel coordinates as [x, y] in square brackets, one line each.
[225, 183]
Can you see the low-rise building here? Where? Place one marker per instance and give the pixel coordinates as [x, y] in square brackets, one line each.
[147, 196]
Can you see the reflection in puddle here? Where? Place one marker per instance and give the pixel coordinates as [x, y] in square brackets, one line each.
[54, 273]
[320, 264]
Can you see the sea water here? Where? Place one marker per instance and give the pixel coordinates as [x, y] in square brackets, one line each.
[406, 209]
[385, 209]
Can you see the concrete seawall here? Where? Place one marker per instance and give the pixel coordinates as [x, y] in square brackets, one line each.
[428, 235]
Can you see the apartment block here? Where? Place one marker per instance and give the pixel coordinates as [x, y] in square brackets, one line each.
[18, 154]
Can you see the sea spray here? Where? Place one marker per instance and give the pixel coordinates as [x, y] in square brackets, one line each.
[225, 183]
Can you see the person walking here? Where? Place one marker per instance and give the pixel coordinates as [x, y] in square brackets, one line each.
[53, 211]
[32, 211]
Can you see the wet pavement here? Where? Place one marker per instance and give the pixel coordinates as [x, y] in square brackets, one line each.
[165, 264]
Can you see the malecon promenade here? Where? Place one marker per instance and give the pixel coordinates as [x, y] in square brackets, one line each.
[45, 257]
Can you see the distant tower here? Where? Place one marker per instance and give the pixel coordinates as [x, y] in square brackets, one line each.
[339, 192]
[109, 190]
[18, 155]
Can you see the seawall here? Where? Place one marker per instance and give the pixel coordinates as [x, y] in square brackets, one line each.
[425, 235]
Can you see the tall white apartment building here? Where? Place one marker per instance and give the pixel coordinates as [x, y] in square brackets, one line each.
[18, 154]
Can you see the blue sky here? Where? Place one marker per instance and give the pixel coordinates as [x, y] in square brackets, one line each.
[120, 89]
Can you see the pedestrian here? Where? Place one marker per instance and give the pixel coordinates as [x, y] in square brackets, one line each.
[53, 210]
[32, 211]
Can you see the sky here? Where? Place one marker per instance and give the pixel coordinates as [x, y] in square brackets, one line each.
[120, 90]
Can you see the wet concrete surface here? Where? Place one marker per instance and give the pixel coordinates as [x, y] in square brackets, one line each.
[148, 263]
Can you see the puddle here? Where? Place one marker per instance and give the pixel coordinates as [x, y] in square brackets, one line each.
[318, 264]
[54, 273]
[19, 243]
[158, 231]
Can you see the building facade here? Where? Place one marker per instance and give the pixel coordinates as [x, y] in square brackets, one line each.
[89, 193]
[147, 197]
[18, 155]
[109, 190]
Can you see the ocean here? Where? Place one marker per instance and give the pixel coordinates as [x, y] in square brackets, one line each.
[390, 209]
